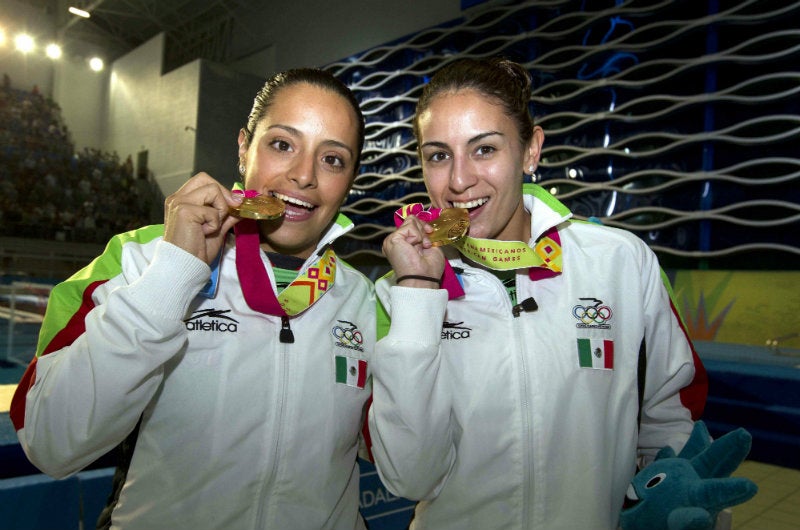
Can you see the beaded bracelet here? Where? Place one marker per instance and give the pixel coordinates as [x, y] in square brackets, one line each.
[416, 277]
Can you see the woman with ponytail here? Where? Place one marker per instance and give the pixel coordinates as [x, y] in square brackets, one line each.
[530, 365]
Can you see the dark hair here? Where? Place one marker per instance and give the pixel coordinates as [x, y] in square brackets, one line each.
[311, 76]
[507, 82]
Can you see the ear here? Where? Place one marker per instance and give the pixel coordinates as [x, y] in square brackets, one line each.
[534, 150]
[243, 145]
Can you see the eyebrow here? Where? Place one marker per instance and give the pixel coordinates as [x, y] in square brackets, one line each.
[296, 132]
[475, 139]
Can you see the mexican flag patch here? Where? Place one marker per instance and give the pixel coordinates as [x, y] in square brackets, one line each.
[596, 353]
[352, 372]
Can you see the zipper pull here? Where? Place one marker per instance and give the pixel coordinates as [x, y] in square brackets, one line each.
[527, 305]
[286, 336]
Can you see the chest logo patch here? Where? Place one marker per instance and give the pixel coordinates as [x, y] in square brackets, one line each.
[592, 313]
[347, 336]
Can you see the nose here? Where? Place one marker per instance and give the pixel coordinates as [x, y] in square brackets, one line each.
[304, 172]
[462, 175]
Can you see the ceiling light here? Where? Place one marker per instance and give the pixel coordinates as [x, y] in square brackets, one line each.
[24, 43]
[79, 12]
[53, 51]
[96, 64]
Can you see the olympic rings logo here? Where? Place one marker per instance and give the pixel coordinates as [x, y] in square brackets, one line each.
[595, 314]
[347, 335]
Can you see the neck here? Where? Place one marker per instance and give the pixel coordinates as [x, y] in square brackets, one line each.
[302, 254]
[518, 227]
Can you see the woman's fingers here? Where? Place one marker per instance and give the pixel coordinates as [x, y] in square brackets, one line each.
[196, 217]
[410, 252]
[412, 232]
[202, 190]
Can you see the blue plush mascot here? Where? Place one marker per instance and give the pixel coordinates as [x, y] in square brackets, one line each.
[687, 491]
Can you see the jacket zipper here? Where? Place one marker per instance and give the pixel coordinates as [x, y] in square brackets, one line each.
[527, 305]
[527, 440]
[284, 369]
[286, 336]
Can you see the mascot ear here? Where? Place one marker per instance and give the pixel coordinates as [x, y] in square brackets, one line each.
[724, 455]
[687, 492]
[698, 441]
[665, 452]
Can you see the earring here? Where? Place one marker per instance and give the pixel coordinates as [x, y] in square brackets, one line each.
[530, 170]
[241, 170]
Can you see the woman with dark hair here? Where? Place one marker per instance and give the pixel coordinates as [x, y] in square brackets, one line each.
[227, 350]
[507, 392]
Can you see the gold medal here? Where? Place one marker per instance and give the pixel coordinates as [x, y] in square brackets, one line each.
[260, 207]
[451, 225]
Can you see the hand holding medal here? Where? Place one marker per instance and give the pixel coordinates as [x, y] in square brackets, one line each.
[450, 227]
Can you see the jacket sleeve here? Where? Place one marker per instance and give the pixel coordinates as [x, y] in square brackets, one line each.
[80, 400]
[410, 417]
[676, 384]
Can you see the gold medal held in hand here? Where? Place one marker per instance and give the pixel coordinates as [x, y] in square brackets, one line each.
[260, 207]
[451, 225]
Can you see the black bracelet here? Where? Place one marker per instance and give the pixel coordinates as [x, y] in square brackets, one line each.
[417, 277]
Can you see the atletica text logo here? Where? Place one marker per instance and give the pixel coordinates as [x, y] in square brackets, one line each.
[454, 331]
[212, 320]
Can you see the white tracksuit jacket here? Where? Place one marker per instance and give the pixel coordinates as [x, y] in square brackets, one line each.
[489, 419]
[238, 430]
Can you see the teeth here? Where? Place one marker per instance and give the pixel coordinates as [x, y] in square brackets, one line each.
[471, 204]
[292, 200]
[631, 494]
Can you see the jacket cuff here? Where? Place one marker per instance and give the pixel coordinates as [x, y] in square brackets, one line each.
[170, 282]
[417, 314]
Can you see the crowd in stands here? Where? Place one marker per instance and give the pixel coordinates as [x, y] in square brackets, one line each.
[49, 190]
